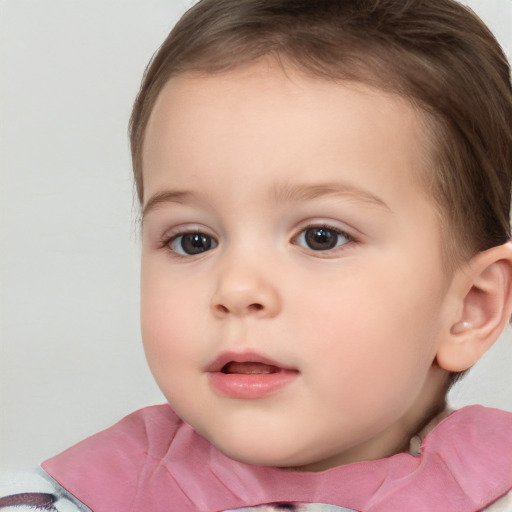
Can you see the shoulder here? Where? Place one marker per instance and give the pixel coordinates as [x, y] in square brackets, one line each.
[504, 504]
[143, 433]
[475, 444]
[108, 462]
[105, 470]
[26, 491]
[477, 427]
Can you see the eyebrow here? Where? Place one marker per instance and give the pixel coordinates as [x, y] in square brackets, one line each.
[303, 192]
[281, 193]
[164, 197]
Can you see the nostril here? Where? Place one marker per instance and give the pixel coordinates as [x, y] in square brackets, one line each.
[251, 308]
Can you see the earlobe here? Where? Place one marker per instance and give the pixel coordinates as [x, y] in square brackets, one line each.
[484, 308]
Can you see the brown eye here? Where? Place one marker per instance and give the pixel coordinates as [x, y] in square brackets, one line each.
[190, 244]
[321, 238]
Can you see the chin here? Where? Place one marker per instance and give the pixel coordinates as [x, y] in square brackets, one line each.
[258, 443]
[262, 452]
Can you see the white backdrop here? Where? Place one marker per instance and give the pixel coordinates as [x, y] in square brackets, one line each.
[71, 361]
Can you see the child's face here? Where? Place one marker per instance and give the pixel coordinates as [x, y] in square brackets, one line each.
[285, 232]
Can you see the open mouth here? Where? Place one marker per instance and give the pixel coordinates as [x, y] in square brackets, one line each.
[249, 376]
[247, 363]
[249, 368]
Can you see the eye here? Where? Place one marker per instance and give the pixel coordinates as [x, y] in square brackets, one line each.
[322, 238]
[190, 244]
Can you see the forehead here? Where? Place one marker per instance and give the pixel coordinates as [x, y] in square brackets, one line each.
[280, 119]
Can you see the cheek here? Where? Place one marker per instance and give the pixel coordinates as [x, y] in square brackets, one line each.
[166, 311]
[375, 332]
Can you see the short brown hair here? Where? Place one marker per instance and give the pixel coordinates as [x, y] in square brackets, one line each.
[435, 53]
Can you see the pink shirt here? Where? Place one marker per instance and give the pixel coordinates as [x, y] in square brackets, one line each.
[152, 461]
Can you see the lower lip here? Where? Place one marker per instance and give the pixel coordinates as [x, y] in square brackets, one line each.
[251, 386]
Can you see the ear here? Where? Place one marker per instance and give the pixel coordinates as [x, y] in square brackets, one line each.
[481, 310]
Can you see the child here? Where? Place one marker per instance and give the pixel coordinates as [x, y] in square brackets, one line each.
[325, 194]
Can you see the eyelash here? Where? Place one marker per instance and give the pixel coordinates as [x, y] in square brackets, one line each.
[169, 239]
[323, 226]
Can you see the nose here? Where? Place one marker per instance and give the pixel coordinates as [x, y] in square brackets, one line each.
[242, 291]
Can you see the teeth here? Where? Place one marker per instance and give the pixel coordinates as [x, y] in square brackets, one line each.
[249, 368]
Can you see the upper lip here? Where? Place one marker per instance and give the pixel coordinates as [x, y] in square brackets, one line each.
[243, 357]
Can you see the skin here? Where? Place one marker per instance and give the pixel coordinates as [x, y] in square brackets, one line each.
[252, 158]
